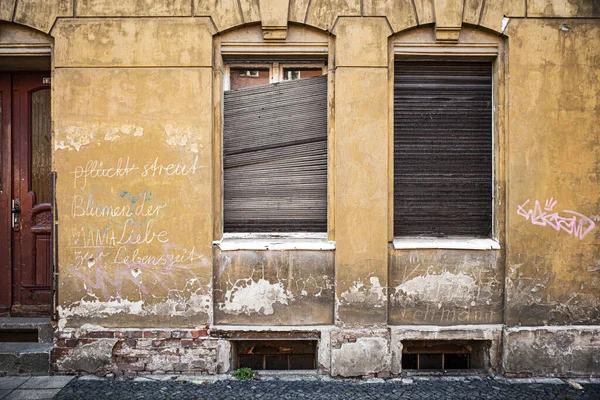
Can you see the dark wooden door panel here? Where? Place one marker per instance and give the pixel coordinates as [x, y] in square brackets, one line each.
[5, 195]
[31, 188]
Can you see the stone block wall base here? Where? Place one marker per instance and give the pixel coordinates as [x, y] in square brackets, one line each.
[565, 351]
[132, 352]
[360, 352]
[552, 351]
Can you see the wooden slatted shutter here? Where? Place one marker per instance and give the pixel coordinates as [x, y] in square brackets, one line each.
[443, 148]
[275, 157]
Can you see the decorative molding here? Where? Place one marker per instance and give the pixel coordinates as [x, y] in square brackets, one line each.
[447, 34]
[277, 48]
[274, 241]
[25, 50]
[444, 50]
[274, 32]
[448, 20]
[274, 18]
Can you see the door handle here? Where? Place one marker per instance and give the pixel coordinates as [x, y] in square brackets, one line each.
[16, 214]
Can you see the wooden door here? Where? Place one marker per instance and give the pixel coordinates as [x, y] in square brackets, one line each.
[29, 134]
[5, 196]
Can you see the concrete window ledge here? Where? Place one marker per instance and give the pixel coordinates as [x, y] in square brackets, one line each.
[407, 243]
[274, 241]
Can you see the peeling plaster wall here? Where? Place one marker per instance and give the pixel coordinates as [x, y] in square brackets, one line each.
[554, 145]
[136, 98]
[361, 352]
[552, 351]
[274, 287]
[132, 147]
[446, 287]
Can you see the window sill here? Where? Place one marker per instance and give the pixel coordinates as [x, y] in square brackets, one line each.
[274, 241]
[406, 243]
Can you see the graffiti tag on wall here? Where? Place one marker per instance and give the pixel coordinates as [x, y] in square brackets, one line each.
[573, 223]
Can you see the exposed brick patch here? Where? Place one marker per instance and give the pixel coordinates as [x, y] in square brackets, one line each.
[181, 334]
[143, 351]
[155, 334]
[58, 352]
[101, 334]
[185, 343]
[199, 334]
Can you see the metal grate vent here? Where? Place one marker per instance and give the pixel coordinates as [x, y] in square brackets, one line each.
[277, 354]
[445, 354]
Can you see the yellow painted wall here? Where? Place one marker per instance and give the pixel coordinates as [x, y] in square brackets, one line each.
[136, 114]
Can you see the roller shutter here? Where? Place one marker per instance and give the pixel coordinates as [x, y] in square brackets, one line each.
[443, 148]
[275, 157]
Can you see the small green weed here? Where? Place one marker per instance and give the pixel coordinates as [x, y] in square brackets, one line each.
[244, 374]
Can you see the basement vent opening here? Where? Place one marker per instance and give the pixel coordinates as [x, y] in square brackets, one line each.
[277, 354]
[18, 335]
[445, 354]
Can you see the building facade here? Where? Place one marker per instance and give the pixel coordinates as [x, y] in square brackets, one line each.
[357, 187]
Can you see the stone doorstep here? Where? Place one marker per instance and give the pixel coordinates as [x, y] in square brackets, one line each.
[32, 387]
[22, 358]
[42, 325]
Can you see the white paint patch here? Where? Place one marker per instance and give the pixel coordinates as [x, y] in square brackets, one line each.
[443, 288]
[96, 308]
[183, 137]
[248, 297]
[116, 133]
[136, 272]
[406, 243]
[505, 22]
[595, 217]
[112, 135]
[197, 303]
[75, 137]
[374, 293]
[180, 304]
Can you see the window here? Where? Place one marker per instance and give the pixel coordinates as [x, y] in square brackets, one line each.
[443, 148]
[275, 148]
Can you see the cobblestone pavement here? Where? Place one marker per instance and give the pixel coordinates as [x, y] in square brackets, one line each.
[318, 388]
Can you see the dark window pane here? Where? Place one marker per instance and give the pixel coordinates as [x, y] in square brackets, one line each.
[276, 362]
[251, 361]
[409, 361]
[302, 361]
[301, 73]
[41, 131]
[244, 78]
[430, 361]
[456, 361]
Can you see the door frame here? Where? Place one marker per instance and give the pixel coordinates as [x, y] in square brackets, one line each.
[37, 46]
[6, 196]
[29, 297]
